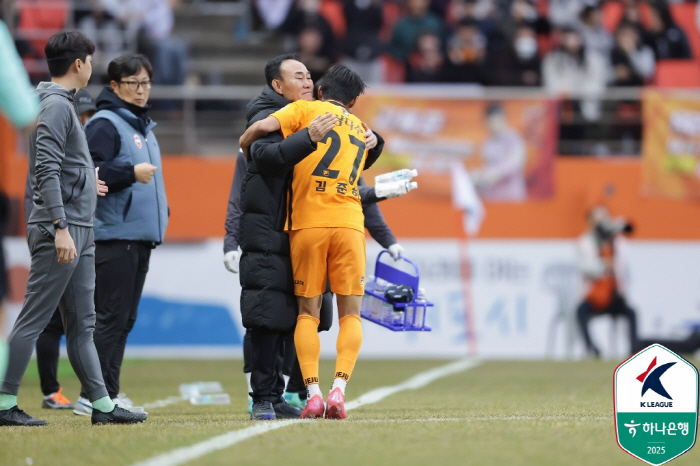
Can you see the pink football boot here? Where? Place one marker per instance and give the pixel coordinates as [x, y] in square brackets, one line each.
[314, 408]
[336, 405]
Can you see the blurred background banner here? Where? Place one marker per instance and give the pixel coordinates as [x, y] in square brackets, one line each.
[507, 146]
[671, 145]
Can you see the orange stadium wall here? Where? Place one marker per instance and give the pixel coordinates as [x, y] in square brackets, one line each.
[198, 190]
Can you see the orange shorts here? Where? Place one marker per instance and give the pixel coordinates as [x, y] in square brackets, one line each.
[337, 254]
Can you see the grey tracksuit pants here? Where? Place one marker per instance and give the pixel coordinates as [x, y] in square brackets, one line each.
[71, 288]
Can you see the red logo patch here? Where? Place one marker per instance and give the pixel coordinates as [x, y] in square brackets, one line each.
[137, 140]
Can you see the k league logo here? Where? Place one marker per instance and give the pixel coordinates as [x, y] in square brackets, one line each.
[656, 405]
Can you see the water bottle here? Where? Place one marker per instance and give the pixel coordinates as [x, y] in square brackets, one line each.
[188, 390]
[394, 188]
[398, 175]
[211, 399]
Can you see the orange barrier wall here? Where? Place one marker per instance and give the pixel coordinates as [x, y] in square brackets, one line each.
[198, 190]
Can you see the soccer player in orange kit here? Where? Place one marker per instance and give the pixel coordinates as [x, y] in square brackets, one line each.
[326, 228]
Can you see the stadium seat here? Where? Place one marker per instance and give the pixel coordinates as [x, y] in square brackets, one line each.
[39, 20]
[684, 15]
[332, 10]
[612, 14]
[394, 70]
[392, 13]
[677, 73]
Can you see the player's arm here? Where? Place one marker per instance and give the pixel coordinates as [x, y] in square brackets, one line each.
[374, 153]
[367, 193]
[377, 227]
[274, 156]
[258, 130]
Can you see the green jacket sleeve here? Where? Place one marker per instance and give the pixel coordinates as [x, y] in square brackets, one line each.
[18, 101]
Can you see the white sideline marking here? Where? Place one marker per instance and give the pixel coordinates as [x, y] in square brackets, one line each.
[184, 455]
[171, 400]
[483, 418]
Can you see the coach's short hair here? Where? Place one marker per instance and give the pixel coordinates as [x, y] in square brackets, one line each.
[64, 48]
[127, 65]
[342, 84]
[272, 68]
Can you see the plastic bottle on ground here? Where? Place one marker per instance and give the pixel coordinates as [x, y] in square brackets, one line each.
[211, 399]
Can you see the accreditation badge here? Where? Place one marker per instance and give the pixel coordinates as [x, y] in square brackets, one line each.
[655, 396]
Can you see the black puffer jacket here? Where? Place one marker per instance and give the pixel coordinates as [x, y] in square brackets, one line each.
[267, 295]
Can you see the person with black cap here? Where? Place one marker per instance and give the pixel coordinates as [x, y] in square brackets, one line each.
[49, 341]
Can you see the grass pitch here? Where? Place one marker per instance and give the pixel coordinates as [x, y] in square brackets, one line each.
[499, 413]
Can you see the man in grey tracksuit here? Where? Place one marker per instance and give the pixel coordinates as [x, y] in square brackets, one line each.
[60, 237]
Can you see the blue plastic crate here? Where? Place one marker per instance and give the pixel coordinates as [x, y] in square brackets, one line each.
[407, 317]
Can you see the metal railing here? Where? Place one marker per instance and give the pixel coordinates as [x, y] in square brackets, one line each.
[209, 119]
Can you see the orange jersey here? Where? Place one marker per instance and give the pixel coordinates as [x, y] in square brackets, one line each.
[324, 186]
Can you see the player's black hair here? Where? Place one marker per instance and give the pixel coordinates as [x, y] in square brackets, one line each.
[342, 84]
[128, 64]
[64, 48]
[272, 68]
[317, 84]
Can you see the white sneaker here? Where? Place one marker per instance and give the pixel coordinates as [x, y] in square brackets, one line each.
[123, 402]
[83, 407]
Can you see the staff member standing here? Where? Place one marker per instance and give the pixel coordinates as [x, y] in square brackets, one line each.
[60, 236]
[131, 220]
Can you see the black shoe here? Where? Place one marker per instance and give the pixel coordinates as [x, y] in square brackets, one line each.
[117, 416]
[263, 411]
[16, 417]
[284, 410]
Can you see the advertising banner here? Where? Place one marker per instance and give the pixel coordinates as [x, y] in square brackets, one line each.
[501, 299]
[671, 145]
[507, 146]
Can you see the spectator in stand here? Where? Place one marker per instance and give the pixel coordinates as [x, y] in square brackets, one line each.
[517, 63]
[311, 52]
[565, 13]
[153, 21]
[362, 46]
[520, 12]
[469, 9]
[426, 62]
[572, 69]
[632, 61]
[664, 36]
[304, 15]
[466, 51]
[418, 20]
[596, 38]
[273, 13]
[107, 34]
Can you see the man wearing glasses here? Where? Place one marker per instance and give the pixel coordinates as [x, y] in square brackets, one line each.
[131, 221]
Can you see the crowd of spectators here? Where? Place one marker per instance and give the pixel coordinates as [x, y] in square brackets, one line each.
[565, 45]
[115, 26]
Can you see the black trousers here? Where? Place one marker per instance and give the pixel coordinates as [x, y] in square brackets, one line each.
[267, 364]
[120, 269]
[618, 307]
[290, 363]
[47, 354]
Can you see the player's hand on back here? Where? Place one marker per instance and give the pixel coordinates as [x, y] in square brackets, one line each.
[370, 137]
[321, 125]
